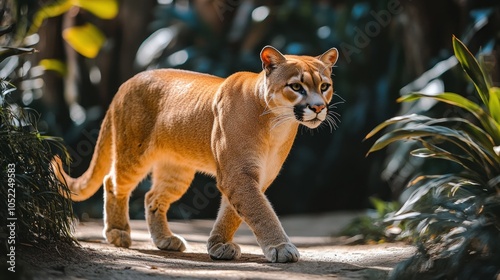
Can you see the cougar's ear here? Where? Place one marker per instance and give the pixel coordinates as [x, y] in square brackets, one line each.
[329, 57]
[270, 58]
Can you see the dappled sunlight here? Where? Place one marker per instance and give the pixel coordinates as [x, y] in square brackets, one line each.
[399, 142]
[321, 254]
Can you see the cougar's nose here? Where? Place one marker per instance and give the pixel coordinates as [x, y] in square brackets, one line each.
[317, 108]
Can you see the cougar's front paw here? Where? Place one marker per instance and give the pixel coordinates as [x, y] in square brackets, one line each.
[219, 250]
[170, 243]
[119, 238]
[282, 253]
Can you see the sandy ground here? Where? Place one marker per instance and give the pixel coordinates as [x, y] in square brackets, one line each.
[322, 257]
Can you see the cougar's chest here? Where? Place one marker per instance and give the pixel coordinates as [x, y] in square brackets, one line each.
[279, 145]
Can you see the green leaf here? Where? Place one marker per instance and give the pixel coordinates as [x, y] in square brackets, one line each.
[438, 134]
[448, 97]
[417, 195]
[494, 104]
[431, 150]
[441, 185]
[382, 207]
[406, 216]
[414, 133]
[471, 68]
[476, 133]
[423, 153]
[489, 124]
[398, 120]
[7, 51]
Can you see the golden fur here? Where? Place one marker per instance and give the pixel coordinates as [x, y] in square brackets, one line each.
[240, 129]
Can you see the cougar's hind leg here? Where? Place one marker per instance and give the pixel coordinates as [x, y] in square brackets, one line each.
[220, 245]
[170, 182]
[118, 185]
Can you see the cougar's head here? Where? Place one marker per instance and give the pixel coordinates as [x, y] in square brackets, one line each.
[299, 87]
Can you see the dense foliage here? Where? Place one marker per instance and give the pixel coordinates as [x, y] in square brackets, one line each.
[31, 198]
[453, 217]
[41, 212]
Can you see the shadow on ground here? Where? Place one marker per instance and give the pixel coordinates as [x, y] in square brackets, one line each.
[322, 256]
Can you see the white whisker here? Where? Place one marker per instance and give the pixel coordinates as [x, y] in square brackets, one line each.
[333, 117]
[335, 104]
[334, 113]
[282, 114]
[331, 123]
[277, 110]
[334, 122]
[281, 119]
[340, 97]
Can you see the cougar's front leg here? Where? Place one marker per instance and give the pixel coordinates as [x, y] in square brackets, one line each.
[238, 151]
[241, 187]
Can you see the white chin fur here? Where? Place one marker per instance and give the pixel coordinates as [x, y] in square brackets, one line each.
[312, 124]
[313, 121]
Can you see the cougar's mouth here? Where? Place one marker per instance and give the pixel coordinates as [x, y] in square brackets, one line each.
[309, 119]
[313, 123]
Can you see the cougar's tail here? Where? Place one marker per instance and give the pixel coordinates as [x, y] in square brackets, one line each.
[89, 182]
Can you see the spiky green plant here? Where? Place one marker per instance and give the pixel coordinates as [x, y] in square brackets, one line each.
[31, 198]
[454, 218]
[41, 213]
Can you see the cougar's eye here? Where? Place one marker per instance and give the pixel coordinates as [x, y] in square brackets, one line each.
[324, 87]
[295, 86]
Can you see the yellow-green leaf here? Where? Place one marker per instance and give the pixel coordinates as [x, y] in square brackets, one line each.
[56, 9]
[105, 9]
[489, 124]
[398, 119]
[55, 65]
[86, 39]
[494, 103]
[471, 68]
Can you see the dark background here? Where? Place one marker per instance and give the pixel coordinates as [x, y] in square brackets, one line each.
[384, 46]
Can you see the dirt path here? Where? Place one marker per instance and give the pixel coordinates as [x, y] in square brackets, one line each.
[321, 256]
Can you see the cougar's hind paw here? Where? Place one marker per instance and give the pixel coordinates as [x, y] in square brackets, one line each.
[119, 238]
[171, 243]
